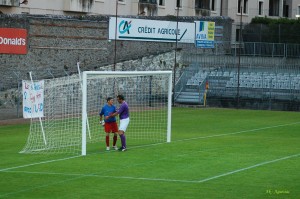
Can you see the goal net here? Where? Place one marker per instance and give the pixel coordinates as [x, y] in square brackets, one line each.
[71, 111]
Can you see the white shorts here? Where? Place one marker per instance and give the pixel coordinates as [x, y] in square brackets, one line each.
[123, 124]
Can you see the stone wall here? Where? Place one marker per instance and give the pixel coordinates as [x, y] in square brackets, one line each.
[57, 43]
[11, 99]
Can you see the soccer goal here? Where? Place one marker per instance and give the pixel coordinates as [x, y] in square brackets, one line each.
[71, 111]
[148, 94]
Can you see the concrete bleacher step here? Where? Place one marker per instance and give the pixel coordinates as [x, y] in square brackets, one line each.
[189, 98]
[189, 101]
[189, 93]
[190, 90]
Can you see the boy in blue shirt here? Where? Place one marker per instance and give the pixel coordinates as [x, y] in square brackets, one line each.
[110, 124]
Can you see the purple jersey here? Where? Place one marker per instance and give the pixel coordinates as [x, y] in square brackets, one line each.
[123, 111]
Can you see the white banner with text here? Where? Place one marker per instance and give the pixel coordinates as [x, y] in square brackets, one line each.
[151, 30]
[33, 99]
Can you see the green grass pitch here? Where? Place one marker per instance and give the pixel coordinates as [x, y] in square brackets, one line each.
[214, 153]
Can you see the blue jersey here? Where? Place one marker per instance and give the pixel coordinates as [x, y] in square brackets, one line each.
[107, 111]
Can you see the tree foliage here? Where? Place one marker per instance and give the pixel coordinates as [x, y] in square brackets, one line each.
[263, 29]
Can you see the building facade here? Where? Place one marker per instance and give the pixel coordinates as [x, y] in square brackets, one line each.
[230, 8]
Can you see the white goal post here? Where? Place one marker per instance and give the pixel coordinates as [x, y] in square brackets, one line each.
[156, 90]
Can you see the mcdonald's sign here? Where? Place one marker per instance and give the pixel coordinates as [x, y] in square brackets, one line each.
[13, 41]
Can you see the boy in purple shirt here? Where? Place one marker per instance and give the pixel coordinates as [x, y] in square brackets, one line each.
[123, 113]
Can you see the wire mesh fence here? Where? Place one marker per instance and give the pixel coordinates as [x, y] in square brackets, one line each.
[253, 49]
[251, 75]
[262, 83]
[11, 88]
[271, 33]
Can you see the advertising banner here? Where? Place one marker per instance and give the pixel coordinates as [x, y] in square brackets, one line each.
[13, 41]
[151, 30]
[205, 34]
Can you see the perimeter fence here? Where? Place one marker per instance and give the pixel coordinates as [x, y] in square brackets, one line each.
[11, 88]
[249, 75]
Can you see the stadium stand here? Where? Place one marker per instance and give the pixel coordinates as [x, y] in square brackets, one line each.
[254, 83]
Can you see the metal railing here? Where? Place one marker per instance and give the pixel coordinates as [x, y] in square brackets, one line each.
[148, 1]
[273, 87]
[254, 49]
[186, 74]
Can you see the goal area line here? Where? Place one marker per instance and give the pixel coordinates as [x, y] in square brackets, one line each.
[161, 179]
[150, 145]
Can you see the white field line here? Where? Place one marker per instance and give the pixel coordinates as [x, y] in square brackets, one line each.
[188, 139]
[218, 135]
[162, 179]
[33, 164]
[250, 167]
[206, 179]
[79, 176]
[38, 187]
[238, 132]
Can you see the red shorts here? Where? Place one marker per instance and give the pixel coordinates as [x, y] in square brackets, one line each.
[110, 127]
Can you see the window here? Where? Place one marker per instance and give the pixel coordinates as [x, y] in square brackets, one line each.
[245, 6]
[285, 10]
[237, 34]
[260, 8]
[298, 10]
[242, 6]
[161, 2]
[178, 3]
[202, 4]
[239, 6]
[213, 5]
[274, 8]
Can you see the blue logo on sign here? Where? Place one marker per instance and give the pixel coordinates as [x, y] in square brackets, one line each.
[124, 27]
[202, 26]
